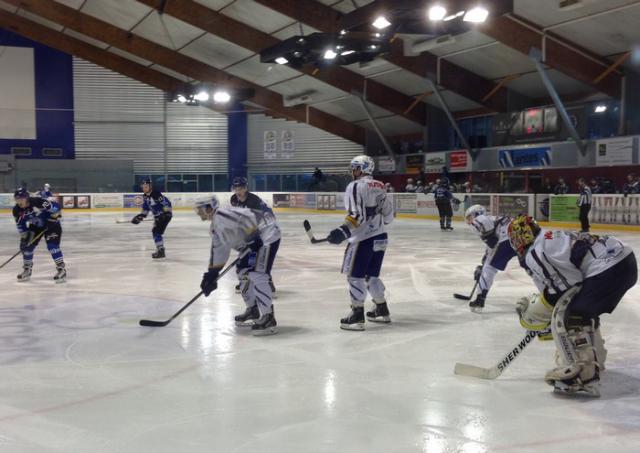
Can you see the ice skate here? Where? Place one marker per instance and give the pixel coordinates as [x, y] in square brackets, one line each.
[355, 320]
[159, 253]
[25, 276]
[265, 325]
[380, 313]
[61, 274]
[248, 318]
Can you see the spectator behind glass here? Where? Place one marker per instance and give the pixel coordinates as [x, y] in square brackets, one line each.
[410, 187]
[561, 188]
[596, 186]
[388, 187]
[317, 175]
[419, 187]
[546, 186]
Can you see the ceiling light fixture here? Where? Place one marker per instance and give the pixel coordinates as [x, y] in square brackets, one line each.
[202, 96]
[329, 54]
[476, 15]
[221, 97]
[282, 60]
[437, 12]
[381, 22]
[601, 108]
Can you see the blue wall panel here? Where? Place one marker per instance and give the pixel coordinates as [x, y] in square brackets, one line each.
[54, 98]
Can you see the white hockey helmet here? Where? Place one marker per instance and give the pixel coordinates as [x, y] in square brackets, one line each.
[474, 211]
[47, 186]
[363, 163]
[205, 207]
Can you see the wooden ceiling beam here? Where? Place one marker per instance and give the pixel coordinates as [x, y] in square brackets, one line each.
[143, 48]
[248, 37]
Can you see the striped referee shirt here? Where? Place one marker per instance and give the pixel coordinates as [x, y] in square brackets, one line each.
[585, 196]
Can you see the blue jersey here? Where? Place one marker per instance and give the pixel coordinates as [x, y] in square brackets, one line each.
[37, 215]
[441, 193]
[156, 203]
[630, 188]
[45, 194]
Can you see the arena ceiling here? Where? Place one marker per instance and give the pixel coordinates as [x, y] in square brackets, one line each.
[167, 43]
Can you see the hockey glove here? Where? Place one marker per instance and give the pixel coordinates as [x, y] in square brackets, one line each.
[255, 243]
[339, 235]
[137, 219]
[477, 273]
[25, 240]
[209, 281]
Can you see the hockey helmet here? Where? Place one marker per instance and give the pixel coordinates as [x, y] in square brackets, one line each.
[523, 231]
[474, 211]
[239, 181]
[206, 206]
[21, 193]
[363, 163]
[47, 186]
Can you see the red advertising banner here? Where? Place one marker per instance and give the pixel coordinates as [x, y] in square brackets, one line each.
[459, 161]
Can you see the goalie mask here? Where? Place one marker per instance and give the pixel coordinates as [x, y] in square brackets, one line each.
[523, 231]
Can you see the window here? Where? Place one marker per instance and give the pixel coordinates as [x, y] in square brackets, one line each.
[273, 183]
[258, 183]
[205, 183]
[289, 183]
[52, 152]
[221, 183]
[20, 151]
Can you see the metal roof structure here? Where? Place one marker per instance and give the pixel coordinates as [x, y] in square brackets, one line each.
[167, 43]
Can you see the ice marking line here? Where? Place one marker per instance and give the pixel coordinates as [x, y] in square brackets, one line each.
[101, 396]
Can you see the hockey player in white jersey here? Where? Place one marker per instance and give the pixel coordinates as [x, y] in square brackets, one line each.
[580, 276]
[493, 232]
[241, 229]
[368, 211]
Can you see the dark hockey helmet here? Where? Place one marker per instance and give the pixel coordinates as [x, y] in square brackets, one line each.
[21, 193]
[239, 181]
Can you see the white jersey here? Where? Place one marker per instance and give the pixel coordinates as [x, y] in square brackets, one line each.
[558, 260]
[233, 228]
[492, 229]
[369, 208]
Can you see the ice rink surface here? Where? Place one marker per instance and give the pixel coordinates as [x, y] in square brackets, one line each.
[79, 375]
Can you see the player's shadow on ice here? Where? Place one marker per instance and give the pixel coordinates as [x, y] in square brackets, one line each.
[616, 384]
[283, 331]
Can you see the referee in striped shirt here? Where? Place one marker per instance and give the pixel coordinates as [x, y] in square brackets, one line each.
[584, 203]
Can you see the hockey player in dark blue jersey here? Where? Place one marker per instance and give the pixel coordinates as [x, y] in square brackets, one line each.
[37, 218]
[443, 200]
[160, 207]
[45, 192]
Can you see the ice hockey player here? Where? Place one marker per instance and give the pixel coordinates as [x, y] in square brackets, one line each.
[368, 211]
[580, 276]
[493, 232]
[257, 237]
[443, 201]
[36, 218]
[45, 192]
[242, 198]
[160, 207]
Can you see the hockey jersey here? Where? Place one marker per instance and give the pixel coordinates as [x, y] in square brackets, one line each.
[558, 260]
[232, 228]
[491, 229]
[156, 203]
[369, 208]
[37, 215]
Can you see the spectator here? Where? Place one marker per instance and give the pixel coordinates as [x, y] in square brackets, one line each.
[631, 186]
[466, 187]
[596, 186]
[419, 187]
[608, 186]
[410, 187]
[546, 186]
[584, 203]
[388, 187]
[317, 175]
[561, 188]
[477, 188]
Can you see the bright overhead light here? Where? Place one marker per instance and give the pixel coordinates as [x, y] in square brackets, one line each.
[330, 54]
[476, 15]
[221, 97]
[381, 22]
[282, 60]
[343, 32]
[202, 96]
[453, 16]
[181, 98]
[347, 52]
[437, 12]
[600, 108]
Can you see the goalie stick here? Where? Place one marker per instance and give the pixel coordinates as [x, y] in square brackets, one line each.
[307, 228]
[495, 371]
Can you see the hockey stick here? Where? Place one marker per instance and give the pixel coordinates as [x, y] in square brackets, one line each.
[470, 296]
[307, 228]
[20, 251]
[495, 371]
[129, 221]
[150, 323]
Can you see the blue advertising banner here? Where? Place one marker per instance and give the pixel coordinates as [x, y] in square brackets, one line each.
[132, 200]
[525, 157]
